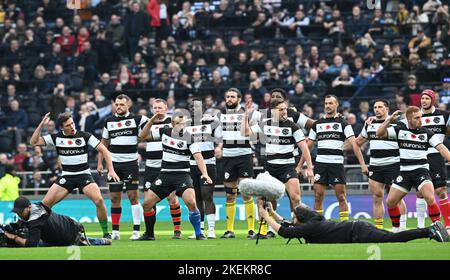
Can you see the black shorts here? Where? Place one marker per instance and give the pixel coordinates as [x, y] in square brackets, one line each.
[329, 174]
[384, 174]
[407, 180]
[128, 173]
[438, 170]
[167, 182]
[237, 167]
[282, 172]
[196, 174]
[75, 182]
[150, 176]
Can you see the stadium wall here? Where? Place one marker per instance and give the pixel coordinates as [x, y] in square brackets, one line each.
[360, 206]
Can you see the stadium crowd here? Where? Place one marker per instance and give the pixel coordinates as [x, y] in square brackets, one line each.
[53, 59]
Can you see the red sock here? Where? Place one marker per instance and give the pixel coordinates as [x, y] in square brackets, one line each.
[150, 213]
[115, 217]
[394, 214]
[433, 212]
[445, 209]
[175, 212]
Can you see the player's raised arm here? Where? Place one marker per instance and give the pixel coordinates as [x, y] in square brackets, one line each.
[145, 134]
[36, 138]
[382, 131]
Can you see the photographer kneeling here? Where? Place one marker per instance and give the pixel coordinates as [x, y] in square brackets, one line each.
[46, 228]
[314, 228]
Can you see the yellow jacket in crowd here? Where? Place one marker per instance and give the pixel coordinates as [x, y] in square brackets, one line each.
[9, 187]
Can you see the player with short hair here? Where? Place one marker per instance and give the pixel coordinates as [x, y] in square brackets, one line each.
[206, 131]
[413, 141]
[120, 135]
[384, 164]
[237, 158]
[153, 156]
[72, 148]
[281, 135]
[178, 146]
[330, 132]
[439, 123]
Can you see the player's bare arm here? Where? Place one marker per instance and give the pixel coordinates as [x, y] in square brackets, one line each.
[202, 167]
[105, 143]
[145, 134]
[309, 173]
[382, 129]
[245, 126]
[105, 154]
[36, 138]
[445, 153]
[358, 154]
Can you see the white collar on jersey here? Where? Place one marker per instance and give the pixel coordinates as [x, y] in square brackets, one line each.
[124, 116]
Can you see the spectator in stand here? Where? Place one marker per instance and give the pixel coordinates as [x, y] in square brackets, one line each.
[17, 121]
[417, 20]
[106, 86]
[420, 44]
[36, 161]
[21, 156]
[9, 184]
[337, 66]
[66, 40]
[157, 10]
[357, 23]
[315, 85]
[301, 97]
[343, 84]
[412, 91]
[38, 183]
[444, 93]
[137, 25]
[60, 77]
[56, 102]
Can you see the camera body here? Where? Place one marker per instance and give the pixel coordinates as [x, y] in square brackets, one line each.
[18, 229]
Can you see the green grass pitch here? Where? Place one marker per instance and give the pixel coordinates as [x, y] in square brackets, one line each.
[164, 248]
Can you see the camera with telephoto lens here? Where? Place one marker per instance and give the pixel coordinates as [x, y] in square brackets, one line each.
[18, 229]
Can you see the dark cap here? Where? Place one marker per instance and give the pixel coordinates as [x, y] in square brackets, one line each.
[20, 203]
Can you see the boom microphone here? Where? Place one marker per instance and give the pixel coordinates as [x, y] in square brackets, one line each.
[264, 185]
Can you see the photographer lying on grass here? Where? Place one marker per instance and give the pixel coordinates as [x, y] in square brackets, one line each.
[46, 228]
[314, 228]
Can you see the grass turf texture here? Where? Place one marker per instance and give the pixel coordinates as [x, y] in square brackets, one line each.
[164, 248]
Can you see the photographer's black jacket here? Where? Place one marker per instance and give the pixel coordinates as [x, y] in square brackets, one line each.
[52, 228]
[318, 230]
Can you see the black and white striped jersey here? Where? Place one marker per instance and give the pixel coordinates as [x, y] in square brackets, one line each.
[382, 151]
[153, 149]
[330, 134]
[437, 122]
[413, 145]
[122, 133]
[177, 149]
[206, 133]
[234, 144]
[280, 139]
[294, 116]
[72, 151]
